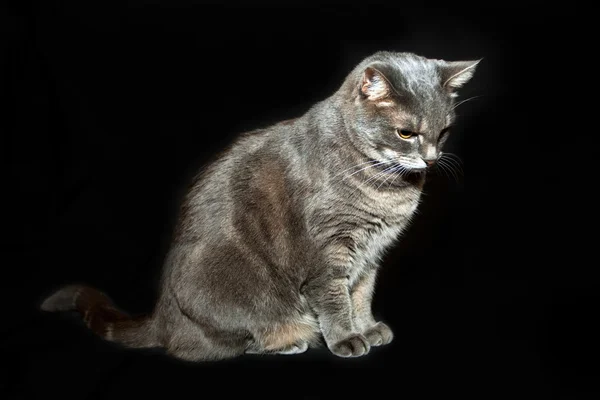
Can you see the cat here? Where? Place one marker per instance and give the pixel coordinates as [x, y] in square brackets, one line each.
[279, 239]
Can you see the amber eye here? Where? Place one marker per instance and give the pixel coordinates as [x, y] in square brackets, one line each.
[405, 134]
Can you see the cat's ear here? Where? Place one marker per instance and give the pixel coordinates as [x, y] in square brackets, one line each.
[374, 85]
[455, 74]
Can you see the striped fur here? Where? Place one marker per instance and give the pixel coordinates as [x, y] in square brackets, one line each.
[280, 238]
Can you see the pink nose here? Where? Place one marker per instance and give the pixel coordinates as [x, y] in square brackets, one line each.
[429, 162]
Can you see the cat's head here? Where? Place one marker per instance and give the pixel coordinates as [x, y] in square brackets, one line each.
[402, 106]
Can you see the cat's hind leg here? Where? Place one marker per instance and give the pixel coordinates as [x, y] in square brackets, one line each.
[295, 348]
[203, 349]
[284, 338]
[194, 341]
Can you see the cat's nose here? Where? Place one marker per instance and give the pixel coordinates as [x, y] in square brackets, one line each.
[430, 162]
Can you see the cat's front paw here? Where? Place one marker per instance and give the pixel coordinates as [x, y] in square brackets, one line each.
[379, 334]
[352, 346]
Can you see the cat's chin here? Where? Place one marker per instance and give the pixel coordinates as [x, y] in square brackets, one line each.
[416, 177]
[417, 171]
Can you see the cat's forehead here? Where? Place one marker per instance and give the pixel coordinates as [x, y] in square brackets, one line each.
[413, 74]
[418, 113]
[420, 99]
[422, 122]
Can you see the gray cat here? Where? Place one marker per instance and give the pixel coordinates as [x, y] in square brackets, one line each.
[278, 242]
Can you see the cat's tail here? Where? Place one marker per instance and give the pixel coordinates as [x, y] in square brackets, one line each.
[102, 317]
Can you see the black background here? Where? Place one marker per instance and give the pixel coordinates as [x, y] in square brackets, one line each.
[111, 107]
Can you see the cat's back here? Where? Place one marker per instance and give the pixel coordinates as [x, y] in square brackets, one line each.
[249, 179]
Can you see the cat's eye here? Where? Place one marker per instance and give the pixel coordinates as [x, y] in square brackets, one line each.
[404, 134]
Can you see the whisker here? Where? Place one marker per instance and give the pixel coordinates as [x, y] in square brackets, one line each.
[354, 166]
[450, 173]
[455, 164]
[367, 167]
[443, 169]
[452, 155]
[375, 177]
[435, 166]
[400, 172]
[444, 163]
[455, 160]
[393, 171]
[464, 101]
[457, 172]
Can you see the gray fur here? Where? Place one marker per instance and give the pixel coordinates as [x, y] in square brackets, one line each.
[280, 238]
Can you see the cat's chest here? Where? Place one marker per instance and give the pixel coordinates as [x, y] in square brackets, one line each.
[370, 245]
[369, 228]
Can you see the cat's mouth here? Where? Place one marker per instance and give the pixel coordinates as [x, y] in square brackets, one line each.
[402, 168]
[411, 169]
[416, 173]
